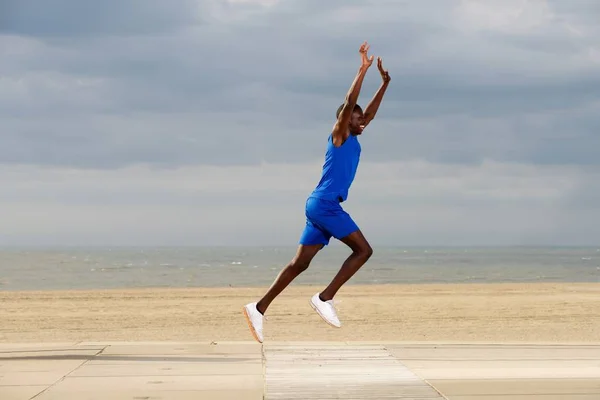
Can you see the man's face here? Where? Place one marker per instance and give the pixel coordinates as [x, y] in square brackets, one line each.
[357, 123]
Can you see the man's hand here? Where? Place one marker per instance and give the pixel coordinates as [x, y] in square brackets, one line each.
[366, 61]
[384, 73]
[373, 105]
[340, 129]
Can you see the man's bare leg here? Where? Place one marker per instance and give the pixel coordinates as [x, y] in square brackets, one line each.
[361, 252]
[255, 311]
[299, 264]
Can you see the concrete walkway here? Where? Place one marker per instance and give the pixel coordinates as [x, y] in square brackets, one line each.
[298, 370]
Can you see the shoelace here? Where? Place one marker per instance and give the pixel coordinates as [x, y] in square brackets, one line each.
[334, 303]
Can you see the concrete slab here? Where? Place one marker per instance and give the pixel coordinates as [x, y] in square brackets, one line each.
[51, 354]
[502, 372]
[133, 370]
[298, 370]
[38, 365]
[140, 394]
[314, 343]
[518, 387]
[111, 384]
[29, 378]
[443, 362]
[489, 352]
[141, 359]
[20, 392]
[145, 343]
[183, 349]
[35, 346]
[470, 344]
[168, 369]
[527, 397]
[507, 364]
[339, 372]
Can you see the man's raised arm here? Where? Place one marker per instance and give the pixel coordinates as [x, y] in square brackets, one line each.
[340, 129]
[373, 105]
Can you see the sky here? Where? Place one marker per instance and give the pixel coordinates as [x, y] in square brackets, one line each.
[200, 122]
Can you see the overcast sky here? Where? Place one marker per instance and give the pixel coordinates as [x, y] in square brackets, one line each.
[199, 122]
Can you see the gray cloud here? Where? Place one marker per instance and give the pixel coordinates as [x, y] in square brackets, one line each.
[52, 19]
[223, 87]
[407, 203]
[79, 78]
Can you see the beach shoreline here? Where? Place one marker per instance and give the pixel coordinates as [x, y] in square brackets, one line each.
[471, 312]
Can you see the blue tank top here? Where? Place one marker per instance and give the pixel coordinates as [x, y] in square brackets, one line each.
[339, 169]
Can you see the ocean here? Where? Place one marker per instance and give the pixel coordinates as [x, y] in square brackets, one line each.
[179, 267]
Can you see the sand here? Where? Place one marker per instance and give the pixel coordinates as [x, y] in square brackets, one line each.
[447, 312]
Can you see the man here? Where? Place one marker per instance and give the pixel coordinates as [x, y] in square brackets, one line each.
[324, 215]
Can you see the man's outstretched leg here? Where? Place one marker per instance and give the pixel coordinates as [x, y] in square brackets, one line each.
[298, 265]
[322, 302]
[254, 312]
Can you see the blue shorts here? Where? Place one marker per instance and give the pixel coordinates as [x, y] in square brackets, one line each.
[324, 219]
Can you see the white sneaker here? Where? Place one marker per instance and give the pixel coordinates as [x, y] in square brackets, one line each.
[255, 321]
[326, 310]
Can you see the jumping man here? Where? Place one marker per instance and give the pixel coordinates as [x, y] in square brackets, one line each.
[324, 214]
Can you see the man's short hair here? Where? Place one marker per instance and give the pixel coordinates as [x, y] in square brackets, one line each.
[339, 110]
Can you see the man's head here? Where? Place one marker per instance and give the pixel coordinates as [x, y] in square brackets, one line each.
[357, 120]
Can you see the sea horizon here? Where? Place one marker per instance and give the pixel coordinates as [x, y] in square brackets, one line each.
[105, 267]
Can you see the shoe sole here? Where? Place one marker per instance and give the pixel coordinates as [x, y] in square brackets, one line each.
[252, 330]
[320, 315]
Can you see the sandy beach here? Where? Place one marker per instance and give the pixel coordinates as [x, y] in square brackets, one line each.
[547, 312]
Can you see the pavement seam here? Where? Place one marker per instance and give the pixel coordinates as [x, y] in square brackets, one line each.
[418, 375]
[69, 373]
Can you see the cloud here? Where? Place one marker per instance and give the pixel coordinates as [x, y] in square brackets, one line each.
[402, 203]
[215, 88]
[66, 19]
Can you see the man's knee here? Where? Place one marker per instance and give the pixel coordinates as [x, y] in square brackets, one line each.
[304, 257]
[365, 251]
[369, 251]
[299, 265]
[359, 245]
